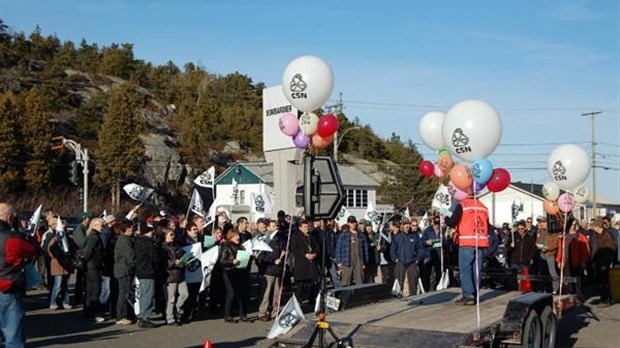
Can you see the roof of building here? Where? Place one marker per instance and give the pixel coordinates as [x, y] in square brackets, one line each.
[350, 175]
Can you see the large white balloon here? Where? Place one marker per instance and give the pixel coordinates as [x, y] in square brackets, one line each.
[568, 165]
[307, 83]
[430, 129]
[551, 191]
[471, 130]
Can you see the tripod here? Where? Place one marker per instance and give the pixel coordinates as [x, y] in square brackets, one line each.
[322, 325]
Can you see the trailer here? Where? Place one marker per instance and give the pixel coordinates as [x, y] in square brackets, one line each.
[507, 319]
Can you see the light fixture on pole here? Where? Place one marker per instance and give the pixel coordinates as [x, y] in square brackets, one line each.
[338, 141]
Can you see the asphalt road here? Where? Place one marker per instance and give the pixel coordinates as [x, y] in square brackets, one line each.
[66, 328]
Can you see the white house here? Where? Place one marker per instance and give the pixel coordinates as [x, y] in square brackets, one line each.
[257, 177]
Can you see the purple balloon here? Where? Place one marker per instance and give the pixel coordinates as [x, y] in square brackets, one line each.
[479, 187]
[301, 140]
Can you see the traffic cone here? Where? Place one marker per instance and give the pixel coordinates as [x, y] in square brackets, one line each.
[207, 344]
[526, 286]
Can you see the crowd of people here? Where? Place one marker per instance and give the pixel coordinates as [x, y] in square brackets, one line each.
[120, 261]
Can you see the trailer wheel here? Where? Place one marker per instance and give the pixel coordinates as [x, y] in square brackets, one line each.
[549, 327]
[531, 331]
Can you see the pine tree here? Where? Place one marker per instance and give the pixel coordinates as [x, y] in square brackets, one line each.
[121, 153]
[37, 134]
[9, 143]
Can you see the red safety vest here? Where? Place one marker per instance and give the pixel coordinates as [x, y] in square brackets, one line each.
[473, 224]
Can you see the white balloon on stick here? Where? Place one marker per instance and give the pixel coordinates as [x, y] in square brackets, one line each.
[430, 129]
[568, 166]
[471, 130]
[307, 83]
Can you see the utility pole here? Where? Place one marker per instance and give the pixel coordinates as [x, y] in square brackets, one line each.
[593, 144]
[335, 109]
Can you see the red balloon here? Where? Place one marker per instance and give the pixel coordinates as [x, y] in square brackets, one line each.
[427, 168]
[500, 179]
[328, 125]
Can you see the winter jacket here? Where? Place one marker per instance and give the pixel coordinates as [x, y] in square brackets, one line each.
[93, 253]
[267, 259]
[405, 247]
[124, 257]
[228, 254]
[301, 245]
[147, 254]
[343, 248]
[14, 252]
[524, 250]
[176, 273]
[578, 248]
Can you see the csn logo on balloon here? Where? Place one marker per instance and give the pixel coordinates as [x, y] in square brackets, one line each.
[298, 86]
[460, 141]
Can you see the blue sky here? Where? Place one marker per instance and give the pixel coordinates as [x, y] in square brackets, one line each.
[540, 63]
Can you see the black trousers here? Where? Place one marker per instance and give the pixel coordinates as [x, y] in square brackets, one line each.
[125, 298]
[232, 282]
[412, 273]
[92, 307]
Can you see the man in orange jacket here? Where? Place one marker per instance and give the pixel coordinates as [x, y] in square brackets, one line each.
[470, 219]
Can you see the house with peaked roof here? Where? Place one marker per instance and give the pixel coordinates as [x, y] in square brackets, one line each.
[235, 187]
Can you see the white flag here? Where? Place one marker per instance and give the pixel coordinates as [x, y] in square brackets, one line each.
[211, 213]
[235, 187]
[420, 287]
[290, 315]
[137, 192]
[196, 205]
[193, 269]
[372, 215]
[34, 219]
[260, 204]
[343, 214]
[442, 201]
[208, 260]
[61, 235]
[105, 213]
[424, 222]
[406, 214]
[206, 179]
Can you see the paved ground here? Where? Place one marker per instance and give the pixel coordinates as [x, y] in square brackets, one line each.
[46, 328]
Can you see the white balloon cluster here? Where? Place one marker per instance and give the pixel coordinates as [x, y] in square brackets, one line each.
[568, 166]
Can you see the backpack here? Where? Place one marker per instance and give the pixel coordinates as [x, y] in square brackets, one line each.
[79, 261]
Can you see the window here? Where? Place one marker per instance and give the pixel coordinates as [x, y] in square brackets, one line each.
[357, 198]
[241, 197]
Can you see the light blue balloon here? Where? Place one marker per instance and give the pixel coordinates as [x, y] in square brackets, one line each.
[482, 170]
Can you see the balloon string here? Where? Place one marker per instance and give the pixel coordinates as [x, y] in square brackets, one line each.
[562, 245]
[477, 269]
[288, 243]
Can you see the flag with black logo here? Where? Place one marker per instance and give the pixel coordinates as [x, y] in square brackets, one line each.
[260, 204]
[196, 204]
[290, 315]
[137, 192]
[33, 223]
[208, 259]
[206, 179]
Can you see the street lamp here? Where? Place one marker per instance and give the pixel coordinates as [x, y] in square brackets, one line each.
[593, 164]
[338, 141]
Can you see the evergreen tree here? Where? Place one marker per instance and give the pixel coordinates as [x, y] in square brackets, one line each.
[9, 143]
[121, 154]
[117, 61]
[37, 134]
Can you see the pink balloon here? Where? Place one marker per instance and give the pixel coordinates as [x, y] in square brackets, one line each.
[566, 202]
[438, 172]
[301, 140]
[289, 124]
[456, 193]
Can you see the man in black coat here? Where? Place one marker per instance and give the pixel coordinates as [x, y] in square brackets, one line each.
[147, 260]
[93, 252]
[305, 248]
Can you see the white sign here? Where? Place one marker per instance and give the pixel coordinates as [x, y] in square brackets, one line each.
[274, 106]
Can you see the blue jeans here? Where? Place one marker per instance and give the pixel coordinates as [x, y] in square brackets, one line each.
[60, 289]
[147, 295]
[12, 314]
[467, 271]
